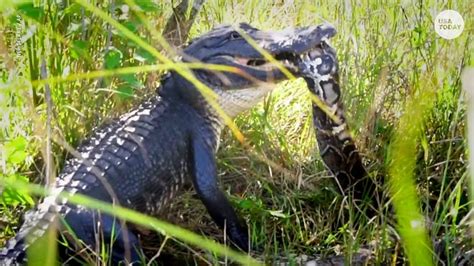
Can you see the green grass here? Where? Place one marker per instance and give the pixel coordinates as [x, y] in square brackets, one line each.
[389, 56]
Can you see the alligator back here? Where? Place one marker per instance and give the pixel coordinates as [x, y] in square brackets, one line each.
[138, 161]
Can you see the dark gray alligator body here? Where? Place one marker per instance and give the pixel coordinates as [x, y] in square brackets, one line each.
[142, 160]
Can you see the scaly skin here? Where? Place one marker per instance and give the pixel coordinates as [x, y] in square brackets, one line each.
[339, 152]
[336, 146]
[141, 160]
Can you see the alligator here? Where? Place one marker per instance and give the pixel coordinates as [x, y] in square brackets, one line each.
[319, 68]
[141, 160]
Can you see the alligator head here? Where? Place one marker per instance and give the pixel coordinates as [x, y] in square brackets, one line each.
[225, 45]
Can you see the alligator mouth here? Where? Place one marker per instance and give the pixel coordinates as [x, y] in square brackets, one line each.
[287, 59]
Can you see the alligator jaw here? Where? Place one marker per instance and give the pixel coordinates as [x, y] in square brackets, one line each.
[265, 65]
[229, 45]
[291, 61]
[242, 88]
[287, 47]
[291, 46]
[288, 60]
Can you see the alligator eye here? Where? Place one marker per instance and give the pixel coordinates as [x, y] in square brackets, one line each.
[234, 35]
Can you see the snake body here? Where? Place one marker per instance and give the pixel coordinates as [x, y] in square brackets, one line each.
[336, 146]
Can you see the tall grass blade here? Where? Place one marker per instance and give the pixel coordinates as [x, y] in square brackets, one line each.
[402, 163]
[468, 86]
[143, 220]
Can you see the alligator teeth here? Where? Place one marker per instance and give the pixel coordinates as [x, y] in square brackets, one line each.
[314, 53]
[242, 61]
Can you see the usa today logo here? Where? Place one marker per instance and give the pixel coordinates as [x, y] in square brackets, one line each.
[449, 24]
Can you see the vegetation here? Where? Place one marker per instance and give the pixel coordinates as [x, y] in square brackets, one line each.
[402, 93]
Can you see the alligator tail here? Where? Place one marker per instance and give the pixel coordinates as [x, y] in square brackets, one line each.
[37, 222]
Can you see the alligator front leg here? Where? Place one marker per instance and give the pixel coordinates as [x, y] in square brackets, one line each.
[89, 226]
[204, 173]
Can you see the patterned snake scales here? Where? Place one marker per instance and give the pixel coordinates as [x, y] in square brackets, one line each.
[338, 151]
[336, 146]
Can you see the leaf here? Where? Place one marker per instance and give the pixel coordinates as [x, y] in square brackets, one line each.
[113, 58]
[278, 213]
[12, 197]
[73, 8]
[29, 10]
[80, 44]
[143, 56]
[247, 204]
[79, 49]
[426, 148]
[16, 150]
[131, 80]
[331, 238]
[418, 36]
[74, 27]
[131, 25]
[125, 92]
[147, 5]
